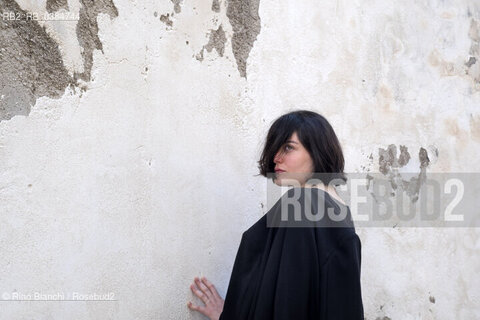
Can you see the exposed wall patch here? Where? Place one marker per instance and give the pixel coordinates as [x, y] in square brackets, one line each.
[216, 5]
[87, 31]
[165, 18]
[245, 21]
[55, 5]
[389, 164]
[216, 41]
[31, 65]
[388, 158]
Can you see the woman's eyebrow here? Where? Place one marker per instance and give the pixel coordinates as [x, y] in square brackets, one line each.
[291, 141]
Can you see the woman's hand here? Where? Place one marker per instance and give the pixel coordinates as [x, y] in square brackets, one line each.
[206, 291]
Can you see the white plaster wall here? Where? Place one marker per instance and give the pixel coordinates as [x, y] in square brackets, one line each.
[146, 179]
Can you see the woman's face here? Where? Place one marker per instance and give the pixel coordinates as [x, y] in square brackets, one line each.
[292, 162]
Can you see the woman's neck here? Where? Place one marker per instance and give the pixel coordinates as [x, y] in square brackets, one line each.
[330, 189]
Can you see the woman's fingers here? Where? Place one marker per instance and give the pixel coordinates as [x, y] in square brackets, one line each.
[211, 287]
[203, 288]
[206, 291]
[195, 307]
[199, 293]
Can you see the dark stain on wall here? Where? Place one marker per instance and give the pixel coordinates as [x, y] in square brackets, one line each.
[216, 41]
[87, 31]
[31, 65]
[471, 61]
[165, 18]
[424, 160]
[245, 21]
[412, 186]
[55, 5]
[388, 158]
[404, 156]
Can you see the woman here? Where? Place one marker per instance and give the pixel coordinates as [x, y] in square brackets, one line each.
[286, 271]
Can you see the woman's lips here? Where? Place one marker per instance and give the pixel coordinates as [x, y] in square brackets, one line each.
[279, 171]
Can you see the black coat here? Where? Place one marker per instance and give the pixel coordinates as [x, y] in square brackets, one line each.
[296, 272]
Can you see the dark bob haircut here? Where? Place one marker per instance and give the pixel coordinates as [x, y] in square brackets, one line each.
[317, 136]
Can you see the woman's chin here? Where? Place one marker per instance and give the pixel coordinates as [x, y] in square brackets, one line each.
[287, 182]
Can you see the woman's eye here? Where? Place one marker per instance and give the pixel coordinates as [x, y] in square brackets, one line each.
[288, 147]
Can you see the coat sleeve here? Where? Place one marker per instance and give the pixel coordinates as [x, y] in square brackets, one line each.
[341, 288]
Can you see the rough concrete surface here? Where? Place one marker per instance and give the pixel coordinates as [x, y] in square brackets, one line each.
[30, 64]
[216, 5]
[216, 40]
[245, 21]
[87, 31]
[55, 5]
[143, 175]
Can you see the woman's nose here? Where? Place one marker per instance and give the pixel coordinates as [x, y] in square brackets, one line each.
[278, 157]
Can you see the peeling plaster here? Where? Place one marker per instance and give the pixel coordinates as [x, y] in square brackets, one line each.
[387, 251]
[216, 41]
[216, 5]
[388, 158]
[31, 65]
[55, 5]
[245, 21]
[389, 164]
[87, 31]
[167, 18]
